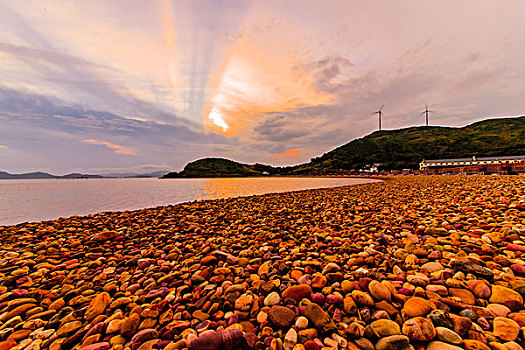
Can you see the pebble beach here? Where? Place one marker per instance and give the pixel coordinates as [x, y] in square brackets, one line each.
[413, 262]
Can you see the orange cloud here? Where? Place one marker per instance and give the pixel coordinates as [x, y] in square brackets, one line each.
[117, 148]
[254, 81]
[294, 152]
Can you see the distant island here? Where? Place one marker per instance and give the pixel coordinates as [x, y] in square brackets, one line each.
[41, 175]
[387, 150]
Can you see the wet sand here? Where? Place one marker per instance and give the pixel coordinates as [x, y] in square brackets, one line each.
[416, 262]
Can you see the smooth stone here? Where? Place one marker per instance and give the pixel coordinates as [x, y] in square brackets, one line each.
[331, 267]
[307, 334]
[68, 328]
[301, 322]
[499, 310]
[362, 298]
[97, 346]
[290, 339]
[460, 324]
[518, 317]
[436, 231]
[130, 324]
[393, 342]
[228, 339]
[244, 302]
[471, 344]
[120, 302]
[448, 336]
[479, 288]
[318, 298]
[105, 235]
[472, 268]
[200, 315]
[432, 267]
[419, 329]
[440, 318]
[379, 291]
[19, 334]
[506, 296]
[349, 305]
[332, 299]
[416, 306]
[297, 292]
[145, 335]
[17, 311]
[438, 289]
[364, 344]
[114, 326]
[318, 281]
[281, 316]
[465, 295]
[483, 323]
[383, 328]
[471, 315]
[340, 341]
[311, 345]
[262, 317]
[518, 269]
[319, 317]
[511, 346]
[418, 279]
[438, 345]
[208, 260]
[506, 329]
[97, 306]
[7, 344]
[272, 299]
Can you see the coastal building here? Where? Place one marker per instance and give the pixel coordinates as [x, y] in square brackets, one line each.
[462, 162]
[475, 165]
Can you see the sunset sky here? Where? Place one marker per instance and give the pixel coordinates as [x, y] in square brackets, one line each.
[132, 85]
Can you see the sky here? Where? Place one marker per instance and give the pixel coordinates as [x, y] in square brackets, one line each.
[115, 86]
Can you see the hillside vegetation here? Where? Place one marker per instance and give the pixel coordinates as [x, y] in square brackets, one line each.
[391, 149]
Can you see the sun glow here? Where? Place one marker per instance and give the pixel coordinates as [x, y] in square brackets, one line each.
[216, 118]
[253, 83]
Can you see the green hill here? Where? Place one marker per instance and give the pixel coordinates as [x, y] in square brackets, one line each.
[405, 148]
[219, 167]
[392, 149]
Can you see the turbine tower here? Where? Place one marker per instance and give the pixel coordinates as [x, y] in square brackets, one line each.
[380, 113]
[426, 111]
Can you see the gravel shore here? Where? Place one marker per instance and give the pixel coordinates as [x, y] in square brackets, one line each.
[415, 262]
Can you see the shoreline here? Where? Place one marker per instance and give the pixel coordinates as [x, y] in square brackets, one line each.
[74, 208]
[431, 262]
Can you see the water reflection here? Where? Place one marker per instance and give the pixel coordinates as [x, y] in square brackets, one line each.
[35, 200]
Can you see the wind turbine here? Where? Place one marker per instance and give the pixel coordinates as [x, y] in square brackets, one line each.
[380, 112]
[426, 111]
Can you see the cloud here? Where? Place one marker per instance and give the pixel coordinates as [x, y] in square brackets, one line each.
[117, 148]
[277, 128]
[329, 72]
[44, 130]
[84, 82]
[257, 80]
[294, 152]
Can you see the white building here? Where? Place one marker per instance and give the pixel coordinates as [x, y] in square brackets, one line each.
[449, 163]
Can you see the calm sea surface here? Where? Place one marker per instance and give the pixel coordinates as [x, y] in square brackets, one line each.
[36, 200]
